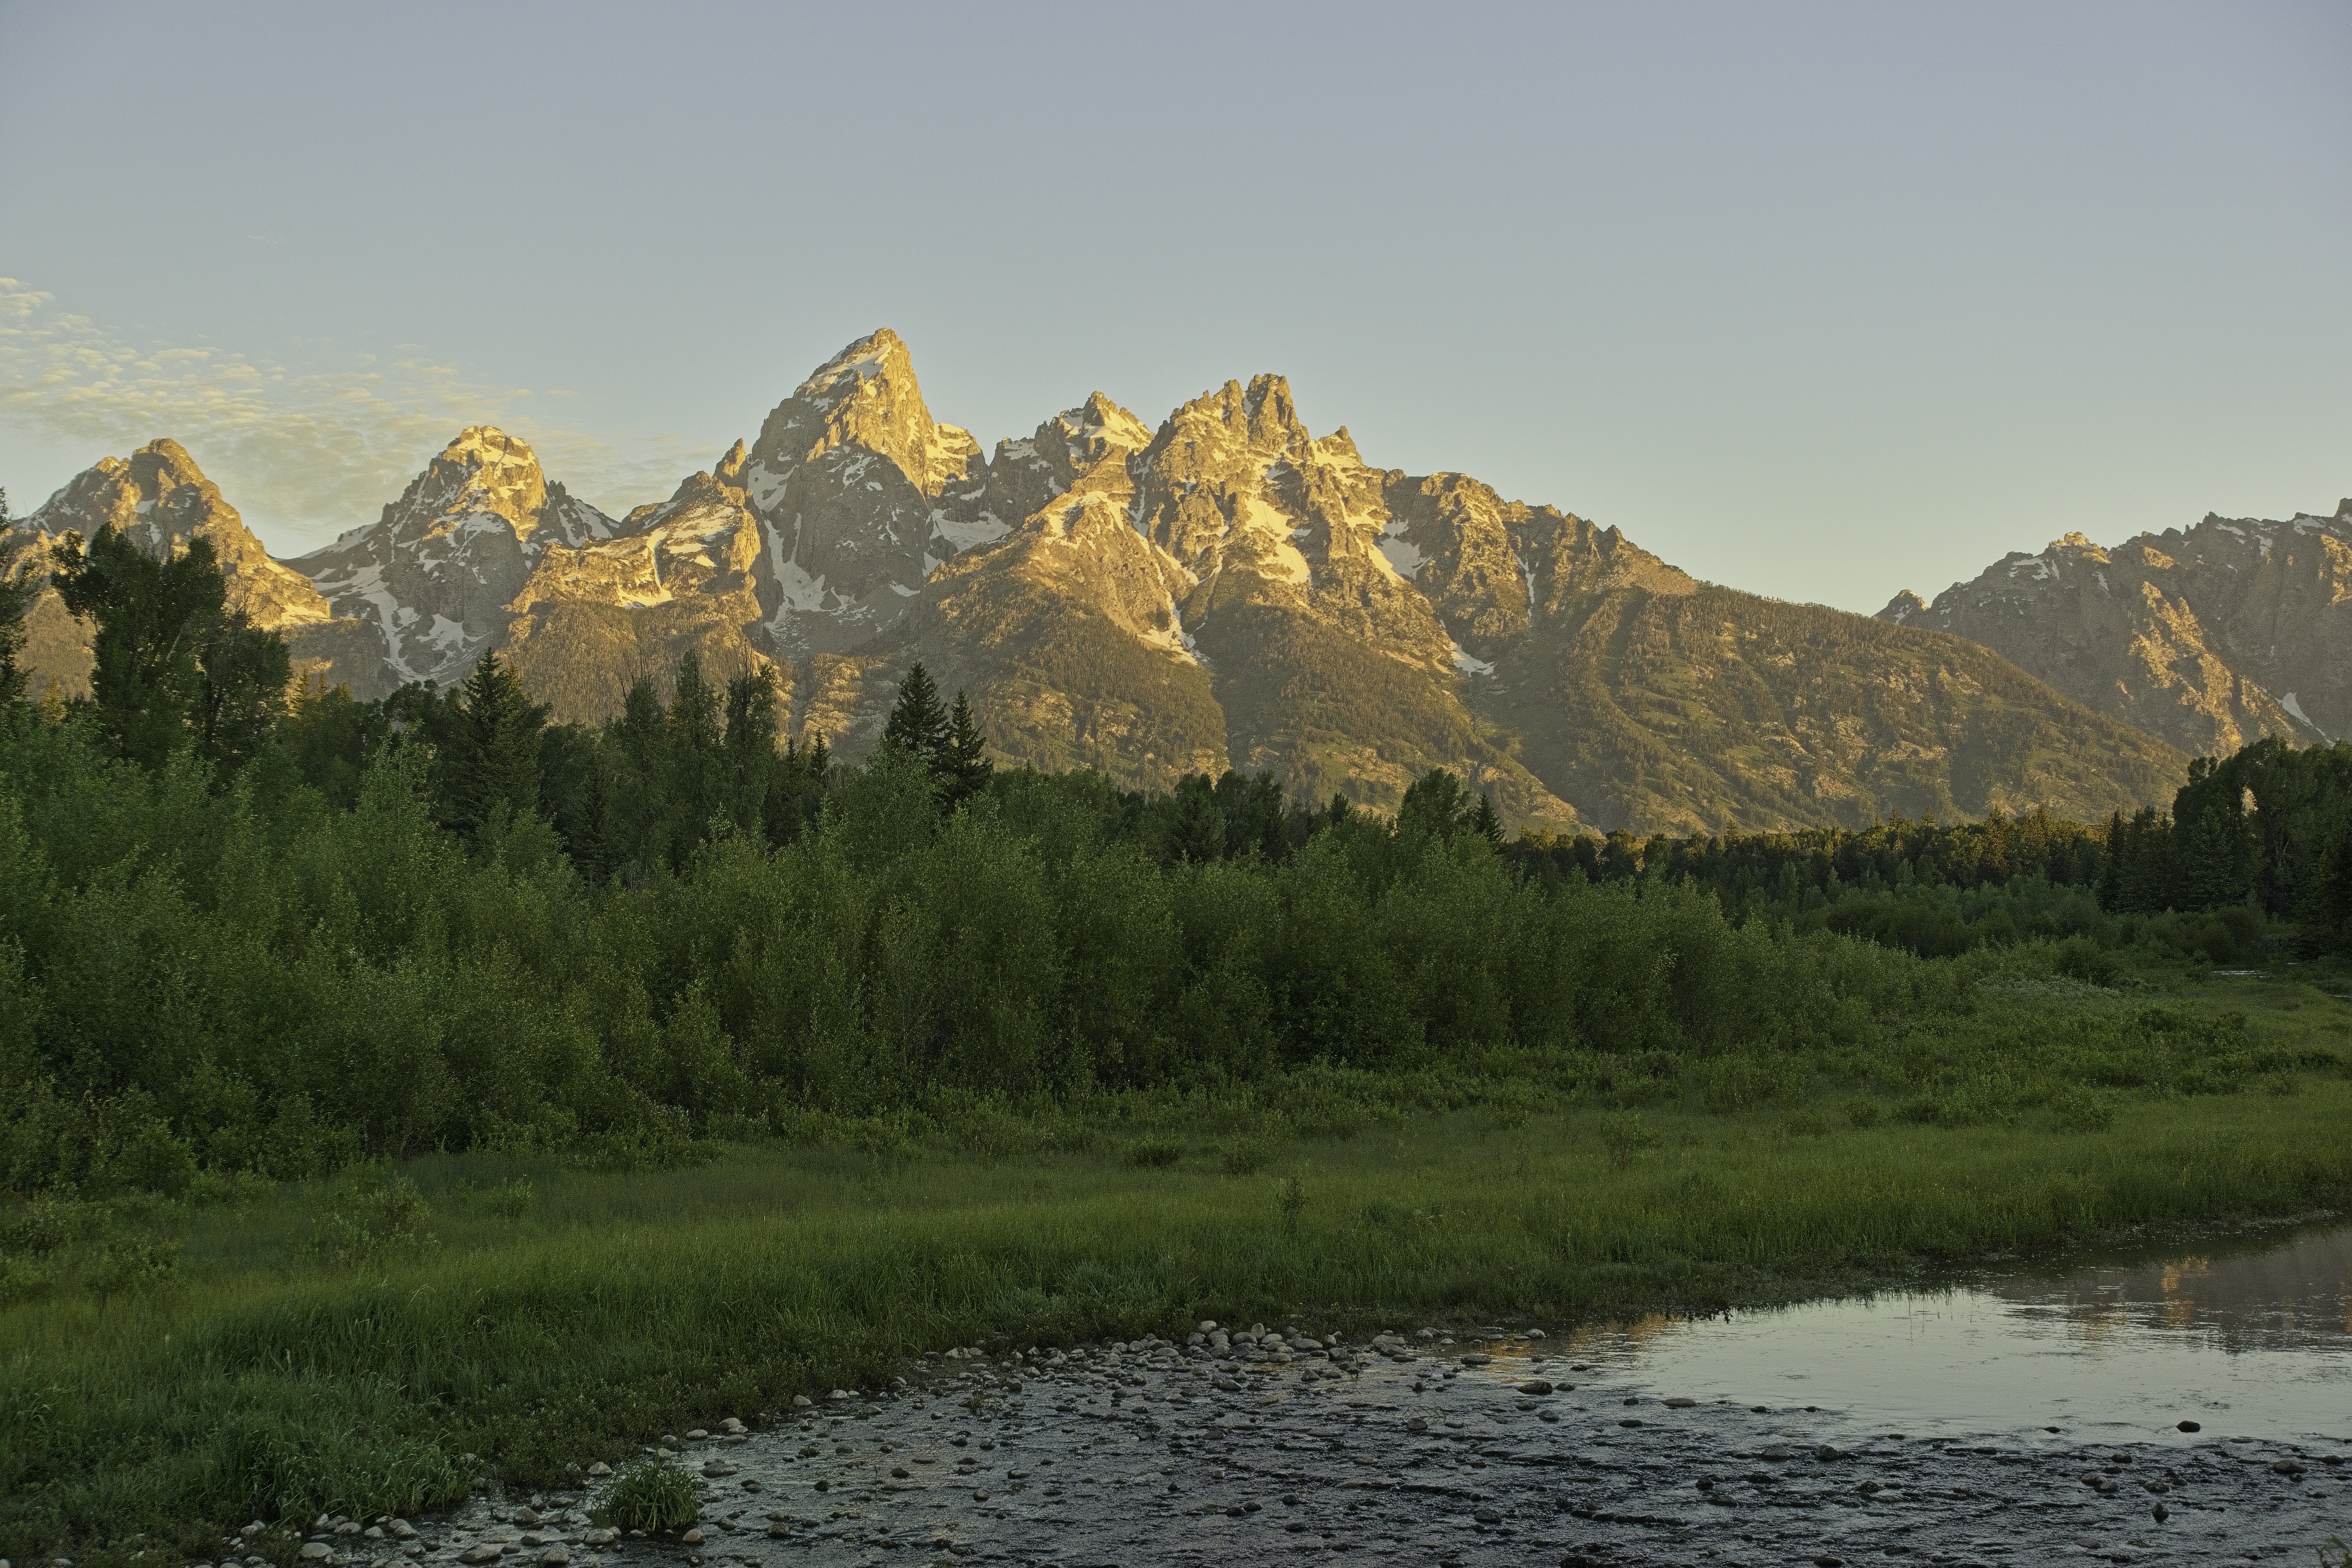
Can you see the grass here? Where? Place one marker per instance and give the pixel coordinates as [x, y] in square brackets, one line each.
[371, 1346]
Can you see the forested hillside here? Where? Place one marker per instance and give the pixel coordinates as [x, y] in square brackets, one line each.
[240, 932]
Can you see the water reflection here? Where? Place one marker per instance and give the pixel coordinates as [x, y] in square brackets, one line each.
[2251, 1336]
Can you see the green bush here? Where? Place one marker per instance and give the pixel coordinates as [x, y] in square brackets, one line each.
[509, 1199]
[646, 1495]
[2082, 959]
[1155, 1151]
[1863, 1112]
[1247, 1156]
[372, 1215]
[2082, 1110]
[1625, 1135]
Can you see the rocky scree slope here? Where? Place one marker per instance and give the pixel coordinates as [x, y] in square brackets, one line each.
[2208, 640]
[1227, 590]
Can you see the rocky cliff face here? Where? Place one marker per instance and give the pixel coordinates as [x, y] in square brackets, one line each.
[419, 593]
[2211, 638]
[1228, 589]
[162, 499]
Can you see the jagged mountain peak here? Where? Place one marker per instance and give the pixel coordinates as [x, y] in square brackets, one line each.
[482, 470]
[730, 471]
[161, 500]
[1903, 608]
[864, 398]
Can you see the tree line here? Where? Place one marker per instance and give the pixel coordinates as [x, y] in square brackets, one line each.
[245, 928]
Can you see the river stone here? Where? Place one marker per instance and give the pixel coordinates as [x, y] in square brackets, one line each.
[1679, 1404]
[1476, 1359]
[316, 1552]
[477, 1555]
[1535, 1385]
[2192, 1426]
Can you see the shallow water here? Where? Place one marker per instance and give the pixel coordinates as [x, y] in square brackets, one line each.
[2249, 1335]
[2011, 1418]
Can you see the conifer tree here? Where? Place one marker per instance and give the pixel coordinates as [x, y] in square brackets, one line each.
[963, 765]
[1484, 822]
[490, 771]
[918, 724]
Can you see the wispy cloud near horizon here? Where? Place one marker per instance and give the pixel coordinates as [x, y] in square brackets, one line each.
[302, 450]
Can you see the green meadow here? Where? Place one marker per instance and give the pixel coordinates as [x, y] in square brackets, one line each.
[375, 1341]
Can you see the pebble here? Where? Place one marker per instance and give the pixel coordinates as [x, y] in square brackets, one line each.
[1151, 1452]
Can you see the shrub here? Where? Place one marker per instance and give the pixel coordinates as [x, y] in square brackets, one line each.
[129, 1264]
[647, 1496]
[509, 1200]
[1247, 1157]
[1863, 1112]
[1293, 1202]
[2082, 959]
[2082, 1110]
[371, 1218]
[1808, 1124]
[1155, 1150]
[1625, 1135]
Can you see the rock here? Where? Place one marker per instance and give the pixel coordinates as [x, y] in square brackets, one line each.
[600, 1536]
[1680, 1404]
[716, 1468]
[477, 1555]
[2159, 1513]
[1535, 1333]
[316, 1552]
[1487, 1516]
[1536, 1386]
[692, 1537]
[1475, 1359]
[2191, 1427]
[802, 1402]
[526, 1517]
[555, 1556]
[2285, 1467]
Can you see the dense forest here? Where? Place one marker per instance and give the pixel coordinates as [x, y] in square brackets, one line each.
[251, 925]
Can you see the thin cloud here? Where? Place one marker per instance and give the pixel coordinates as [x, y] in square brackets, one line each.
[301, 450]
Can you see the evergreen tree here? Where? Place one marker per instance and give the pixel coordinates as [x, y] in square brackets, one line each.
[1484, 823]
[918, 724]
[489, 770]
[963, 763]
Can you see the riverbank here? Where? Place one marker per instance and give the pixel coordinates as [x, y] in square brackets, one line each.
[309, 1351]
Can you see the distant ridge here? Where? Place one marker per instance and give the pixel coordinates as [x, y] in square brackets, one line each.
[1224, 590]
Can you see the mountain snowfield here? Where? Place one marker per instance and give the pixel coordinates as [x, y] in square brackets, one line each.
[1225, 589]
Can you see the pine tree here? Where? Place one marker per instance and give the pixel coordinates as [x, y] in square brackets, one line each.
[918, 724]
[490, 771]
[963, 765]
[1484, 822]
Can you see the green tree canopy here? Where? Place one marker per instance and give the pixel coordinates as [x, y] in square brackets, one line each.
[173, 663]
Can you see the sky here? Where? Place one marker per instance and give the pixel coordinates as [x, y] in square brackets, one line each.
[1817, 301]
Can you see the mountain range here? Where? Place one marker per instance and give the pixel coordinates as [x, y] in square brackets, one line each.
[1225, 589]
[2211, 638]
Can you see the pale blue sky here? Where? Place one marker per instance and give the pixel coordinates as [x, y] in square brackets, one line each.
[1817, 301]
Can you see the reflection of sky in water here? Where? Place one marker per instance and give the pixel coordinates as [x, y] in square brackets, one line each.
[2254, 1339]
